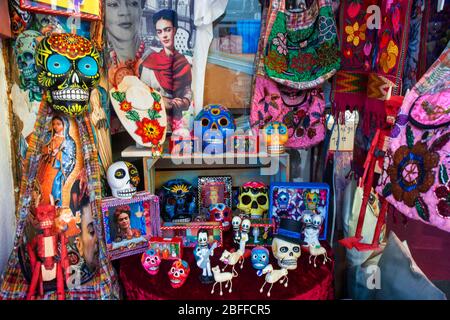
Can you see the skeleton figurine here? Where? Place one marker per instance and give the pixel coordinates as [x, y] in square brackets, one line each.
[311, 228]
[286, 244]
[236, 223]
[202, 253]
[245, 228]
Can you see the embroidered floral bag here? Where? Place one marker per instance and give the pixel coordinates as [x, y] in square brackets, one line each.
[302, 50]
[416, 177]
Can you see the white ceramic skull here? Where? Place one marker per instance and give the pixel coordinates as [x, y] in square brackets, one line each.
[123, 179]
[236, 223]
[317, 220]
[311, 230]
[246, 224]
[286, 253]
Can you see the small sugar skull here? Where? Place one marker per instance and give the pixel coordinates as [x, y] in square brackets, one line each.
[260, 257]
[217, 123]
[276, 135]
[236, 223]
[150, 261]
[254, 199]
[312, 199]
[178, 201]
[123, 178]
[221, 213]
[179, 273]
[283, 199]
[286, 253]
[246, 224]
[68, 68]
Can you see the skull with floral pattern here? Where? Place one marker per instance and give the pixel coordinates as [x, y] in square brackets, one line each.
[68, 69]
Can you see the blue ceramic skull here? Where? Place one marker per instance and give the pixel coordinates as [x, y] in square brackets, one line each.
[260, 257]
[283, 200]
[178, 201]
[216, 123]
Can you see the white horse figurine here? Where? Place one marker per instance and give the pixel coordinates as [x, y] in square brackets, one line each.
[220, 277]
[315, 251]
[273, 276]
[231, 259]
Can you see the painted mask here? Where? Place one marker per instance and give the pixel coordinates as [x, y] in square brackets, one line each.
[123, 178]
[178, 201]
[260, 257]
[221, 213]
[150, 261]
[68, 68]
[312, 199]
[276, 136]
[24, 50]
[254, 199]
[46, 215]
[286, 253]
[217, 123]
[179, 273]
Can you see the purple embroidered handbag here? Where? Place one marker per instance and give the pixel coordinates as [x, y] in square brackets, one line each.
[417, 167]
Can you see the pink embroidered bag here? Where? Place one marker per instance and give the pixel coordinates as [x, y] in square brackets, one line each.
[416, 171]
[300, 111]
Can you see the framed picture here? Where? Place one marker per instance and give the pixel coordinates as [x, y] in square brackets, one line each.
[213, 190]
[87, 9]
[127, 224]
[188, 231]
[292, 200]
[167, 248]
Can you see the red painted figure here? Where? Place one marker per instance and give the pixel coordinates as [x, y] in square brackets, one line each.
[46, 263]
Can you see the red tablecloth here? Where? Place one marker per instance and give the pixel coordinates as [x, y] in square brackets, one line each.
[305, 283]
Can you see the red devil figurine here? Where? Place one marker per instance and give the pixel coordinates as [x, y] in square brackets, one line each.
[46, 263]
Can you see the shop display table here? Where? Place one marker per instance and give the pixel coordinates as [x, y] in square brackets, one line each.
[305, 283]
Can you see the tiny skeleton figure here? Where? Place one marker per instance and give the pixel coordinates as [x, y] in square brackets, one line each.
[202, 253]
[311, 228]
[236, 223]
[245, 229]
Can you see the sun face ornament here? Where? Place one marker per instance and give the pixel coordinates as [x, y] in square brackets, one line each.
[68, 68]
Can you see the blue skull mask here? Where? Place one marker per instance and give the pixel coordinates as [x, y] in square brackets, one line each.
[216, 123]
[260, 258]
[283, 200]
[178, 201]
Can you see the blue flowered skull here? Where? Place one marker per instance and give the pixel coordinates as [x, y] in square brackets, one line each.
[178, 201]
[260, 257]
[217, 123]
[283, 200]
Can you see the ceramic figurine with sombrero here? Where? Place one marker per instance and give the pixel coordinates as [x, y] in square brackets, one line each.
[141, 111]
[286, 243]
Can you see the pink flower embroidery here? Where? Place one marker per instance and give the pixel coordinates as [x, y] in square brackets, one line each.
[280, 42]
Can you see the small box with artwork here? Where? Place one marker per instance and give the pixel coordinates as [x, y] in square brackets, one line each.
[306, 202]
[188, 231]
[167, 248]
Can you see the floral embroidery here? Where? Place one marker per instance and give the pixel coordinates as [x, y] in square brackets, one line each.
[353, 9]
[71, 45]
[411, 172]
[125, 106]
[400, 121]
[388, 58]
[356, 33]
[149, 131]
[276, 62]
[327, 55]
[303, 62]
[302, 122]
[156, 106]
[348, 53]
[280, 42]
[442, 192]
[327, 29]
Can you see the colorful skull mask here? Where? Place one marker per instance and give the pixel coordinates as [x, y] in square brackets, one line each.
[24, 50]
[178, 201]
[276, 135]
[179, 273]
[260, 257]
[150, 261]
[123, 178]
[68, 68]
[254, 199]
[221, 213]
[312, 199]
[217, 123]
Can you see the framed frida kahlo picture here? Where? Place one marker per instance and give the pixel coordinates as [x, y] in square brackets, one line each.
[293, 200]
[128, 224]
[212, 191]
[86, 9]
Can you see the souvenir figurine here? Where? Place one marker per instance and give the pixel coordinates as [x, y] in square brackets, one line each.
[179, 273]
[231, 259]
[236, 223]
[123, 179]
[273, 276]
[220, 277]
[311, 228]
[276, 136]
[245, 229]
[217, 124]
[221, 213]
[150, 261]
[286, 243]
[46, 263]
[315, 251]
[178, 201]
[254, 199]
[260, 257]
[202, 253]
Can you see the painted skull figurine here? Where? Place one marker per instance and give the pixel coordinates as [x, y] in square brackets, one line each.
[123, 178]
[178, 201]
[179, 273]
[221, 213]
[260, 257]
[24, 50]
[312, 199]
[68, 68]
[245, 226]
[254, 199]
[312, 224]
[276, 135]
[217, 123]
[150, 261]
[286, 243]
